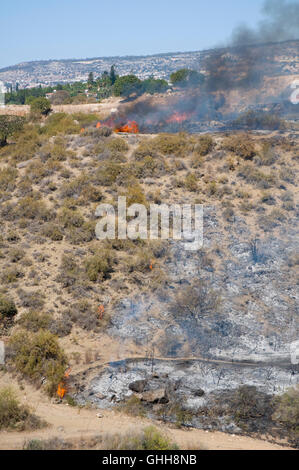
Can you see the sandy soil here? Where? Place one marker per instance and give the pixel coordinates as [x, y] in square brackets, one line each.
[71, 423]
[105, 107]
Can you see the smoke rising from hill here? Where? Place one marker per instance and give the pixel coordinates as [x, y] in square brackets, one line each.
[246, 68]
[281, 23]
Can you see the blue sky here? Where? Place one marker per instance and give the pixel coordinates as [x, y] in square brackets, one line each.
[57, 29]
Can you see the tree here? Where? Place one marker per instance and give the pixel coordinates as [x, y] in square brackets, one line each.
[151, 85]
[127, 85]
[40, 106]
[90, 80]
[8, 126]
[186, 77]
[113, 76]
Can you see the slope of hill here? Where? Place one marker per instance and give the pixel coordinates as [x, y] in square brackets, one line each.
[276, 59]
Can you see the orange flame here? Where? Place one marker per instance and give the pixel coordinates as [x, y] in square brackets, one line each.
[101, 310]
[131, 127]
[61, 391]
[62, 388]
[151, 266]
[178, 117]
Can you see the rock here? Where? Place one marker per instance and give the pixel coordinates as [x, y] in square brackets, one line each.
[24, 164]
[199, 393]
[138, 386]
[155, 396]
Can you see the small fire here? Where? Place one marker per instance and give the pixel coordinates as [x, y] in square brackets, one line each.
[62, 388]
[131, 127]
[151, 266]
[101, 311]
[178, 117]
[61, 391]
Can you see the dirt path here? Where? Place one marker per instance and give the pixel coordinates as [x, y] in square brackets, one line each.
[72, 423]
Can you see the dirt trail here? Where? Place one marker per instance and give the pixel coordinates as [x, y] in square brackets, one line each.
[71, 423]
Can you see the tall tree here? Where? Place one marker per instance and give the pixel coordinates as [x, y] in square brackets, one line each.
[112, 75]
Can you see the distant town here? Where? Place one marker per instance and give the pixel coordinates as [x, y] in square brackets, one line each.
[48, 73]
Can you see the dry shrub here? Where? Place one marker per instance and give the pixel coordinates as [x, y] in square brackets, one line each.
[8, 178]
[34, 321]
[83, 314]
[168, 144]
[197, 300]
[13, 415]
[204, 145]
[241, 145]
[256, 177]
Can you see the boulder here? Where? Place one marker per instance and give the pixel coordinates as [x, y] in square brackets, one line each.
[155, 396]
[138, 386]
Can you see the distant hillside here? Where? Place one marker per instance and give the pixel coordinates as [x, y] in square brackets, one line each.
[277, 59]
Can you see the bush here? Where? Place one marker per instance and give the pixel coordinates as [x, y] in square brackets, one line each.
[260, 120]
[34, 321]
[40, 106]
[148, 439]
[169, 144]
[191, 182]
[117, 145]
[83, 315]
[196, 301]
[60, 123]
[98, 266]
[38, 355]
[240, 145]
[8, 126]
[16, 416]
[53, 232]
[28, 141]
[8, 178]
[287, 413]
[204, 145]
[8, 308]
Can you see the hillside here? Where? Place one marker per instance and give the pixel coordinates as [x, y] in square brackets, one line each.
[148, 327]
[274, 59]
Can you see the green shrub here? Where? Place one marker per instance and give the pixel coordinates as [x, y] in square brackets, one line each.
[38, 355]
[27, 143]
[8, 308]
[60, 123]
[16, 416]
[40, 106]
[287, 409]
[98, 266]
